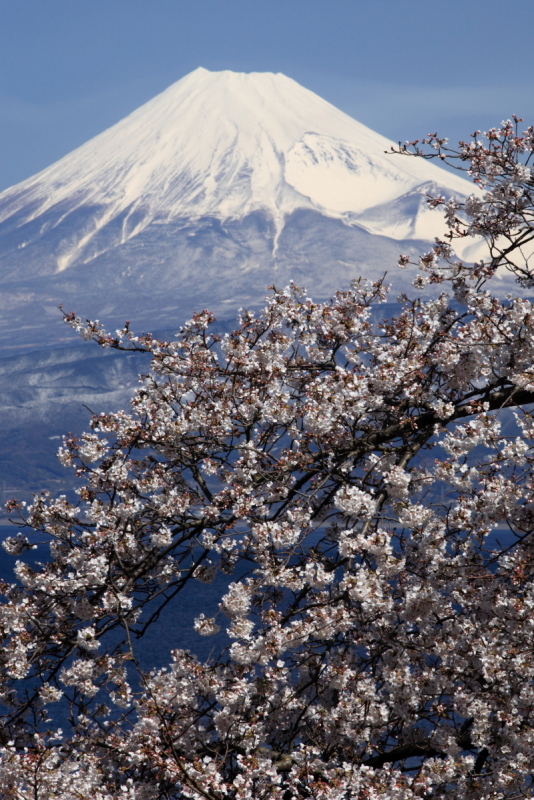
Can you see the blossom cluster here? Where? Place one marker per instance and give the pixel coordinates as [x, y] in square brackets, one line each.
[366, 487]
[500, 211]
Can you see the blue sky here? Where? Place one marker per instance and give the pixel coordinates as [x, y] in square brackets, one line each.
[70, 69]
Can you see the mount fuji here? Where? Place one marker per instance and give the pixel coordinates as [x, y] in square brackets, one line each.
[221, 185]
[218, 187]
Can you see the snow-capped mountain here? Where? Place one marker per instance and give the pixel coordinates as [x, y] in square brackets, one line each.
[223, 144]
[221, 185]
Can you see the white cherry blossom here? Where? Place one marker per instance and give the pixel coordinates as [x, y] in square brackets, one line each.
[365, 484]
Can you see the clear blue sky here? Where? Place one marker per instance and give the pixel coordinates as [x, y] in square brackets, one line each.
[70, 68]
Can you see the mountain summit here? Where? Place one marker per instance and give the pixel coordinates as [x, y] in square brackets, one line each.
[220, 185]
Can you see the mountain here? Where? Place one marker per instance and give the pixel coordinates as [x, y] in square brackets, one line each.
[220, 186]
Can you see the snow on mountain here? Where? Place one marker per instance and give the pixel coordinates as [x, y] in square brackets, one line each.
[203, 197]
[220, 186]
[223, 144]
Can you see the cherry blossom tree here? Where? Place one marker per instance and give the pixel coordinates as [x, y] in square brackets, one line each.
[353, 477]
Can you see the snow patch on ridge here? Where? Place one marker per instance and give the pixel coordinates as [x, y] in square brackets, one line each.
[339, 177]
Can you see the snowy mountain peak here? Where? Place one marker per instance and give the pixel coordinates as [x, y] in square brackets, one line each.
[223, 144]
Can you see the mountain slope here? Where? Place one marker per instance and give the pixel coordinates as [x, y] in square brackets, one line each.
[222, 185]
[225, 144]
[203, 197]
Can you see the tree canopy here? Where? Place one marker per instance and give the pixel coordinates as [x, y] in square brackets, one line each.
[367, 486]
